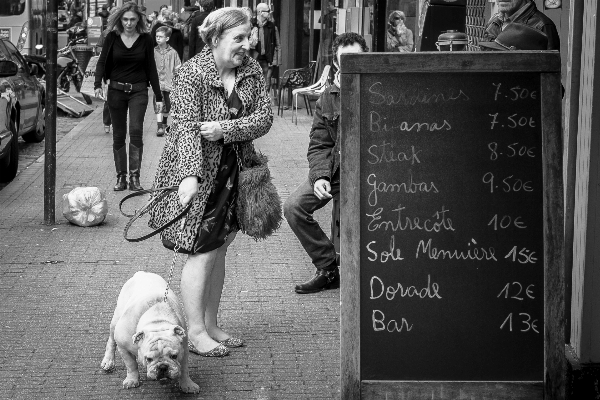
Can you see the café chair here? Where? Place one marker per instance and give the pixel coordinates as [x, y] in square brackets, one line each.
[292, 79]
[312, 90]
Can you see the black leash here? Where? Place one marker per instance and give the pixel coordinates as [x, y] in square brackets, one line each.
[165, 191]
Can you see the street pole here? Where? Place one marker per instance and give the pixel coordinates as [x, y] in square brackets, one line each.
[50, 153]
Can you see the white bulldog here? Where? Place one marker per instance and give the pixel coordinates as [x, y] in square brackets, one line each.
[145, 326]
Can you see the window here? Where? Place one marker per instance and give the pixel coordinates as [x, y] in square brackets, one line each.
[4, 54]
[11, 7]
[16, 57]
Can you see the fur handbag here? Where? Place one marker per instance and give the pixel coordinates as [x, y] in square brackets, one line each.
[259, 212]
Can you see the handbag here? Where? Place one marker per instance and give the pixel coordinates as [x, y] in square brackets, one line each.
[259, 212]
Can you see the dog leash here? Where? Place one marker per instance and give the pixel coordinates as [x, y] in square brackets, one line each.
[164, 191]
[174, 260]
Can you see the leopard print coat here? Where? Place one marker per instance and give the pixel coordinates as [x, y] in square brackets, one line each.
[199, 95]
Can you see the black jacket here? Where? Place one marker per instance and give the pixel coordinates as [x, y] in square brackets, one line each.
[176, 42]
[195, 41]
[324, 147]
[270, 42]
[104, 65]
[530, 16]
[104, 14]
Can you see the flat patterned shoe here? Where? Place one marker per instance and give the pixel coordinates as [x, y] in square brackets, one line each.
[219, 351]
[232, 342]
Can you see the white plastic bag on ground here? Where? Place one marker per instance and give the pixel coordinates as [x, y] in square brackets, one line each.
[85, 206]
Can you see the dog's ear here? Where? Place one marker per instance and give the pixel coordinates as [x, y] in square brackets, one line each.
[137, 337]
[179, 331]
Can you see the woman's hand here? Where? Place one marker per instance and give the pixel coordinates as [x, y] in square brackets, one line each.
[211, 131]
[188, 188]
[98, 93]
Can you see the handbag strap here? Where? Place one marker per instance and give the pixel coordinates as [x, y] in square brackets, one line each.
[164, 191]
[237, 156]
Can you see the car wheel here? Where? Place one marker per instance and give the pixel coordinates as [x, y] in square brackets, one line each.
[10, 165]
[39, 133]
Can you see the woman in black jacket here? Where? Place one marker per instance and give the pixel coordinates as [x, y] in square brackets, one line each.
[127, 63]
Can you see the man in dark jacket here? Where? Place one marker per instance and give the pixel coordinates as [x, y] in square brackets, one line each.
[104, 14]
[195, 41]
[323, 182]
[523, 12]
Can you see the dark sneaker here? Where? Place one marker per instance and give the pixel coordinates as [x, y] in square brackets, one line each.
[321, 281]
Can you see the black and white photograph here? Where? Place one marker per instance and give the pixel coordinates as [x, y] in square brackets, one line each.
[299, 199]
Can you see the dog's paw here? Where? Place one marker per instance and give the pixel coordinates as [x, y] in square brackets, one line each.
[108, 364]
[188, 386]
[130, 383]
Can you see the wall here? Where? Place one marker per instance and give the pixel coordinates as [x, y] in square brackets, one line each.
[585, 307]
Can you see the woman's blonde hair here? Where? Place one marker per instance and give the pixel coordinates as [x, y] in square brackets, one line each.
[399, 13]
[114, 20]
[221, 20]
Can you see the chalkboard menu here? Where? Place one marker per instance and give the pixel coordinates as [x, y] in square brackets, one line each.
[445, 212]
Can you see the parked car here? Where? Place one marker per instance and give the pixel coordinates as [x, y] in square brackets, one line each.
[22, 99]
[63, 20]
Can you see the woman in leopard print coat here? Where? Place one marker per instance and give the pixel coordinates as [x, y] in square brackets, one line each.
[219, 105]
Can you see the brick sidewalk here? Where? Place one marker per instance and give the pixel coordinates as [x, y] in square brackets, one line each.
[60, 284]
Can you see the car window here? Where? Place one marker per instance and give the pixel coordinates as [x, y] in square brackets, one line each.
[4, 54]
[16, 57]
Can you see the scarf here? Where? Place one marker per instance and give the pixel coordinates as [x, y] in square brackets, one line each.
[261, 34]
[401, 35]
[336, 79]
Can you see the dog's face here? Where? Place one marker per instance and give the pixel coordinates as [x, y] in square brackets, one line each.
[161, 351]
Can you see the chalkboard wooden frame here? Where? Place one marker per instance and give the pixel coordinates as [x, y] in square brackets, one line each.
[547, 64]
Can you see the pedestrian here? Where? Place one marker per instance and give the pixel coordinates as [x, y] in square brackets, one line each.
[105, 110]
[266, 41]
[196, 44]
[176, 41]
[277, 55]
[168, 18]
[167, 62]
[127, 62]
[253, 33]
[399, 37]
[219, 106]
[523, 12]
[76, 11]
[323, 182]
[104, 14]
[157, 23]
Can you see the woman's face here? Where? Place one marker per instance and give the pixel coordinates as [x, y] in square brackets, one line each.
[232, 46]
[129, 21]
[396, 20]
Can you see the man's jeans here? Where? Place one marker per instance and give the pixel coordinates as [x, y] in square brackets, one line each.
[119, 103]
[298, 210]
